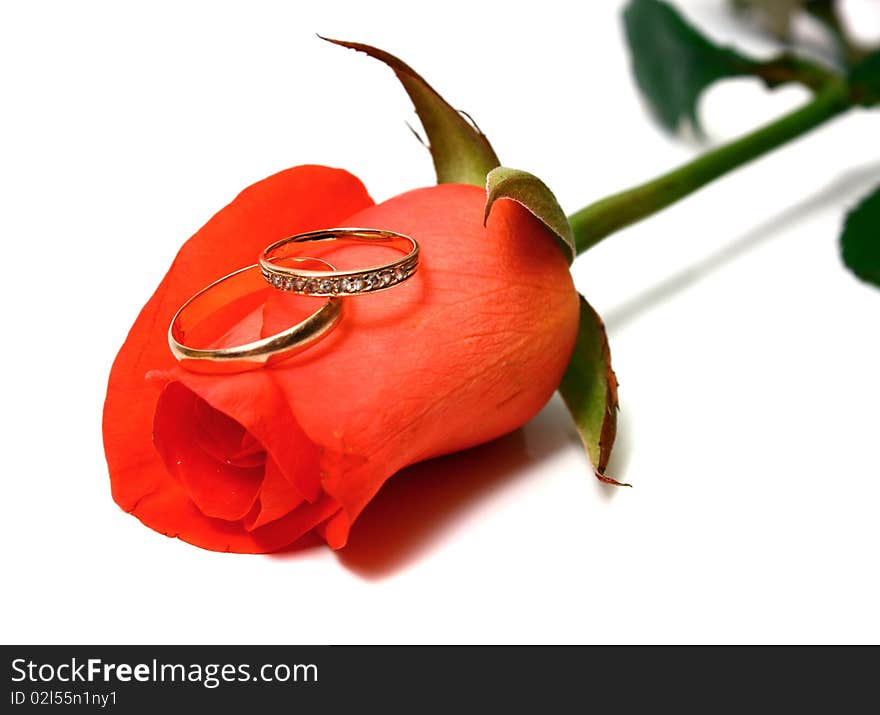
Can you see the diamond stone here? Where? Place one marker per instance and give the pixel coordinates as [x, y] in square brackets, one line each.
[285, 283]
[385, 277]
[327, 286]
[312, 285]
[399, 274]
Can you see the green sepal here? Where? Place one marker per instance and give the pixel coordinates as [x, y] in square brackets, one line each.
[589, 390]
[461, 152]
[528, 190]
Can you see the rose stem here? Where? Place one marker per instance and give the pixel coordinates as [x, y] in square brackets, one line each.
[602, 218]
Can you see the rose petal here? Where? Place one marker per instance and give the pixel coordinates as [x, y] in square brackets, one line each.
[255, 401]
[335, 530]
[277, 497]
[300, 521]
[218, 488]
[170, 512]
[225, 439]
[299, 199]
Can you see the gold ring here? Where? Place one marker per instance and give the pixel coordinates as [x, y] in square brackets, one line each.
[252, 355]
[332, 283]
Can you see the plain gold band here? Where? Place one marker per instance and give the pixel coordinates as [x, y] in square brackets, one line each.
[258, 353]
[341, 283]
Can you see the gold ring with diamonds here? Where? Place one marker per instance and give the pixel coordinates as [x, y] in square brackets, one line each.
[339, 283]
[241, 285]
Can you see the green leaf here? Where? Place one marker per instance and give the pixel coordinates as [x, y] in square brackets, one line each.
[461, 152]
[589, 389]
[865, 80]
[528, 190]
[673, 62]
[860, 242]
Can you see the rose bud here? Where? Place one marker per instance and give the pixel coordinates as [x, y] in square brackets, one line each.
[468, 349]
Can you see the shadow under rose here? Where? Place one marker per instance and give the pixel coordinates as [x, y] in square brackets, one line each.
[418, 505]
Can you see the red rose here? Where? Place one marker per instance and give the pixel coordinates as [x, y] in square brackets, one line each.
[467, 350]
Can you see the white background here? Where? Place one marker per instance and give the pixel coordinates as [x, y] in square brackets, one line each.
[748, 357]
